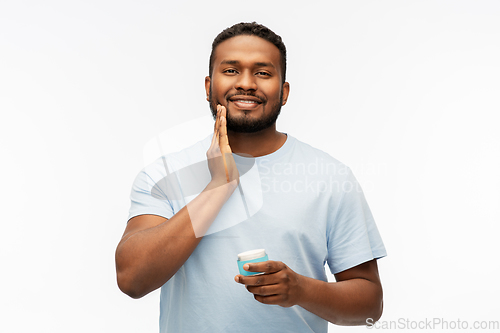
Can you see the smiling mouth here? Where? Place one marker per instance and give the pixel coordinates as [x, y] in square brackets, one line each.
[245, 102]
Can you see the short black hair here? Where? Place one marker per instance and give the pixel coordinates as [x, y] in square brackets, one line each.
[252, 29]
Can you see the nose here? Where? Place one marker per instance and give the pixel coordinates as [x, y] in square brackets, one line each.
[246, 81]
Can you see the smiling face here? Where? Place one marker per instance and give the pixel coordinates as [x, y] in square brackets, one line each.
[247, 80]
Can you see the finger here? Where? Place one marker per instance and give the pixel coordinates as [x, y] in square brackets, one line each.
[217, 125]
[257, 280]
[221, 144]
[267, 290]
[216, 116]
[269, 266]
[223, 139]
[215, 137]
[273, 299]
[242, 279]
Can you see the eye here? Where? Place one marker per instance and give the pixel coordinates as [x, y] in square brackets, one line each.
[263, 74]
[230, 71]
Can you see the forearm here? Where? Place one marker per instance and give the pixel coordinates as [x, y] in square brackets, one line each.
[148, 258]
[348, 302]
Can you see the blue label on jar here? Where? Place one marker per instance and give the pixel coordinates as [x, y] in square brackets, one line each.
[247, 273]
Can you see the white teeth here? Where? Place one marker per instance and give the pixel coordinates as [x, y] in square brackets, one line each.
[244, 101]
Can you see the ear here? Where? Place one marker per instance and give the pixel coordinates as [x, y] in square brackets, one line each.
[207, 87]
[286, 91]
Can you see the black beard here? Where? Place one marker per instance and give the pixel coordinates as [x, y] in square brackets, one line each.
[245, 124]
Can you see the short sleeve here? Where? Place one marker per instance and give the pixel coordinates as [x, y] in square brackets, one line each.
[352, 235]
[147, 199]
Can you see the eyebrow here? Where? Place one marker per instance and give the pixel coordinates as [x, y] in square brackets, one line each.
[236, 62]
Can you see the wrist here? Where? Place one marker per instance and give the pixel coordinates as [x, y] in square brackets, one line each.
[305, 289]
[222, 186]
[302, 287]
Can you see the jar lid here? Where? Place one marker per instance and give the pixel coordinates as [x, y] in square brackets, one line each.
[252, 254]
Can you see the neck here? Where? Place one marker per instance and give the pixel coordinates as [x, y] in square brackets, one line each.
[256, 144]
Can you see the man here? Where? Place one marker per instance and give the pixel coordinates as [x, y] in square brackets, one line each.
[185, 227]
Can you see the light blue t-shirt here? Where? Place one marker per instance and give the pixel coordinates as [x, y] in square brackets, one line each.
[302, 206]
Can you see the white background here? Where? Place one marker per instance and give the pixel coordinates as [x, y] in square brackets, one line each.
[405, 92]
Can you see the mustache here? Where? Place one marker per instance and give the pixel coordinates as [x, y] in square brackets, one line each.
[262, 100]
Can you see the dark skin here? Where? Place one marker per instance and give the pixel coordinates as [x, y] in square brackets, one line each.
[245, 64]
[356, 296]
[152, 250]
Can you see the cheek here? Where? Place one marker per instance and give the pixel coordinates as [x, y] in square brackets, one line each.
[221, 84]
[272, 91]
[217, 94]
